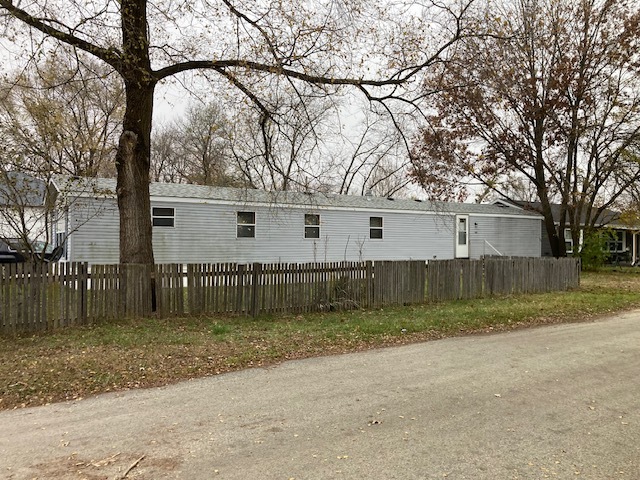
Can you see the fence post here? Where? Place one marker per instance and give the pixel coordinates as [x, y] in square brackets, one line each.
[153, 285]
[191, 286]
[123, 283]
[256, 275]
[240, 287]
[83, 287]
[369, 274]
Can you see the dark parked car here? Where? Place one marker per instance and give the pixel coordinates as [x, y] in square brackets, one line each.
[9, 255]
[13, 250]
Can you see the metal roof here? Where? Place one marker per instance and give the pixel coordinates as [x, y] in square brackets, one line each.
[77, 186]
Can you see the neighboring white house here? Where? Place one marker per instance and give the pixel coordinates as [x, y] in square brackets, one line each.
[201, 224]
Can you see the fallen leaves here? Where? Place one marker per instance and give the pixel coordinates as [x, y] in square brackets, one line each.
[106, 461]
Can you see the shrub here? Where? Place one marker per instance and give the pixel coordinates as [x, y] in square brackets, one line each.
[594, 250]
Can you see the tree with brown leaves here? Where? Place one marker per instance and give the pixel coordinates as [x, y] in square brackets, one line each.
[548, 103]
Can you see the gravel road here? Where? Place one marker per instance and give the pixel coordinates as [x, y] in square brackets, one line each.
[552, 402]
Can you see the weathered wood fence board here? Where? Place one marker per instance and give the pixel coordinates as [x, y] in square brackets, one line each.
[465, 279]
[504, 276]
[37, 297]
[43, 297]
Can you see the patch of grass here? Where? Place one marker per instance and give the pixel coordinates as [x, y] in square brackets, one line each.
[74, 363]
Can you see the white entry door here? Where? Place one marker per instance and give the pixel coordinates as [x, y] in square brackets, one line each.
[462, 236]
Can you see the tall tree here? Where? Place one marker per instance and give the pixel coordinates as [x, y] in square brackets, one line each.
[550, 101]
[194, 148]
[304, 148]
[283, 151]
[164, 162]
[204, 146]
[373, 160]
[252, 45]
[61, 117]
[300, 148]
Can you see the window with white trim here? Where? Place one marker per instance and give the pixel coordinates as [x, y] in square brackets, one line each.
[246, 224]
[311, 225]
[568, 240]
[375, 228]
[615, 243]
[163, 216]
[462, 230]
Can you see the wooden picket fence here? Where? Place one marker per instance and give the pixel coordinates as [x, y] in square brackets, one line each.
[46, 297]
[465, 279]
[42, 296]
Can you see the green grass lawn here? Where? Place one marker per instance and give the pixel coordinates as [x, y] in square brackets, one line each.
[74, 363]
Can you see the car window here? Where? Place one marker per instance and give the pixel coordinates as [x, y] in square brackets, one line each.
[40, 247]
[15, 244]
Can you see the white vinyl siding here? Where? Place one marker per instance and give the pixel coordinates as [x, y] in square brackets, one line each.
[93, 232]
[208, 233]
[516, 237]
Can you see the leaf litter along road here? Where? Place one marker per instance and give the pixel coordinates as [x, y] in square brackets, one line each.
[567, 408]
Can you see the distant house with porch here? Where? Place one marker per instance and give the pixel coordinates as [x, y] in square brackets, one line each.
[623, 245]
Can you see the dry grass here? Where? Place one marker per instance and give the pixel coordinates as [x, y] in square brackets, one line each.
[78, 362]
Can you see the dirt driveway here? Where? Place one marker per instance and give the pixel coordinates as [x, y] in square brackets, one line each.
[554, 402]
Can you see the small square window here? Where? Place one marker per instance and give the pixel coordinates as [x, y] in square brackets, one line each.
[163, 217]
[375, 228]
[311, 226]
[246, 225]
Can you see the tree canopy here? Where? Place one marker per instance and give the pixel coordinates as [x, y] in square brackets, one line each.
[56, 118]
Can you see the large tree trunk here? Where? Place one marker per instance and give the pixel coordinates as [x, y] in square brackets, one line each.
[132, 164]
[134, 149]
[543, 190]
[550, 227]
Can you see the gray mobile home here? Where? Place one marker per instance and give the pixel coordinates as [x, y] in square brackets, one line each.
[201, 224]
